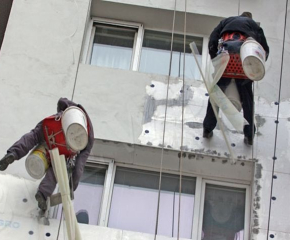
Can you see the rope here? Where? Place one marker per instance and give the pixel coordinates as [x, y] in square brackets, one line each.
[82, 43]
[164, 125]
[70, 194]
[182, 123]
[253, 120]
[277, 118]
[59, 224]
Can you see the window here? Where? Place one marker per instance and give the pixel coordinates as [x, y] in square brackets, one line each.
[125, 198]
[122, 45]
[224, 213]
[91, 186]
[135, 198]
[155, 56]
[113, 46]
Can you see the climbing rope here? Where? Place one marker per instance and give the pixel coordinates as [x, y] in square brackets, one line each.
[277, 119]
[182, 122]
[164, 124]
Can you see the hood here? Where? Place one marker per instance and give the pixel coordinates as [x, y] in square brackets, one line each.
[64, 103]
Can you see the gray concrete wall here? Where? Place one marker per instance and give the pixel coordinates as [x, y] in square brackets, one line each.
[39, 59]
[39, 62]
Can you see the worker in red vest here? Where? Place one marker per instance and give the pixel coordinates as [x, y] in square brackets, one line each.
[234, 31]
[38, 135]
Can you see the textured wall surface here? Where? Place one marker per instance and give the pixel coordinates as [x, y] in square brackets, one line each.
[38, 59]
[39, 63]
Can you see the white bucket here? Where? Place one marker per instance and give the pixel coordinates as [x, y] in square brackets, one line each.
[74, 125]
[37, 163]
[233, 95]
[253, 58]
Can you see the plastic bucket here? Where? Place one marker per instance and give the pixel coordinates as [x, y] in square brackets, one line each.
[253, 58]
[37, 162]
[74, 125]
[233, 95]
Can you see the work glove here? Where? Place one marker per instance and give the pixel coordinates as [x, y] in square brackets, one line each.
[6, 160]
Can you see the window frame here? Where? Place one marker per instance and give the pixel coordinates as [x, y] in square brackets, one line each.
[204, 45]
[226, 184]
[195, 215]
[93, 161]
[199, 196]
[137, 41]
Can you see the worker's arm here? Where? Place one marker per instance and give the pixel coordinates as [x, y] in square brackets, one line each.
[213, 40]
[82, 157]
[20, 148]
[263, 42]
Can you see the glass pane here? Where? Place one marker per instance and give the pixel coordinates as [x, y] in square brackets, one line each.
[155, 57]
[113, 46]
[88, 195]
[135, 198]
[224, 212]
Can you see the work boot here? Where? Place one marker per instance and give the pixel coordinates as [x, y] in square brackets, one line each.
[248, 140]
[41, 200]
[6, 160]
[207, 134]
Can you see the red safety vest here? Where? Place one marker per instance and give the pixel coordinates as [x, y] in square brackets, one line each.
[54, 136]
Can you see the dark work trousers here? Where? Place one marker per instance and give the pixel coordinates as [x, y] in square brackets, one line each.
[244, 87]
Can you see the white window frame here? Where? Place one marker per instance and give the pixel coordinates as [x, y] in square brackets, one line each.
[105, 206]
[106, 192]
[198, 186]
[88, 48]
[226, 184]
[199, 196]
[137, 48]
[204, 46]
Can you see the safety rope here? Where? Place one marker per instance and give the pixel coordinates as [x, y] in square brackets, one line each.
[253, 120]
[182, 122]
[82, 44]
[58, 231]
[277, 119]
[70, 169]
[164, 124]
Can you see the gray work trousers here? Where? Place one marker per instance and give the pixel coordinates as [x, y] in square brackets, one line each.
[28, 141]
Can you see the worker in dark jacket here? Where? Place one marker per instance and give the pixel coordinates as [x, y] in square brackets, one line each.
[237, 29]
[20, 148]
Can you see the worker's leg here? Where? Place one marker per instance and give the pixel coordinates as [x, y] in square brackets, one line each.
[46, 188]
[246, 94]
[48, 183]
[210, 120]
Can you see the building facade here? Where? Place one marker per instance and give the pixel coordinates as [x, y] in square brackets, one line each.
[150, 172]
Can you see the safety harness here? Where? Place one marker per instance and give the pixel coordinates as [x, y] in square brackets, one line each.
[234, 68]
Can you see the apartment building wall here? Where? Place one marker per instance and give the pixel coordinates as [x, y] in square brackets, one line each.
[39, 63]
